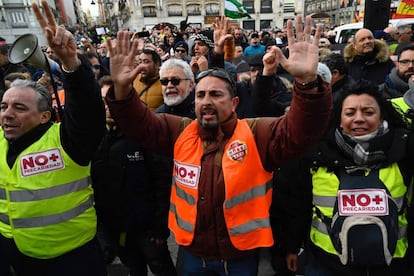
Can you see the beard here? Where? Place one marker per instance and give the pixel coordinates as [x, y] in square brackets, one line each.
[406, 76]
[174, 100]
[209, 124]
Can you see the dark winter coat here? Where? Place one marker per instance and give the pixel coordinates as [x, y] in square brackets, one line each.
[373, 67]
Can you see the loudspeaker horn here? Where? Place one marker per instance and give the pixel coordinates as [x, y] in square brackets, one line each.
[26, 49]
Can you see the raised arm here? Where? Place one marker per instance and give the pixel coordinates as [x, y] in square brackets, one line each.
[303, 53]
[123, 68]
[83, 124]
[221, 33]
[310, 108]
[58, 38]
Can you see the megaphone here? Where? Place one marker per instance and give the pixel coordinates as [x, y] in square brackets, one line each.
[26, 49]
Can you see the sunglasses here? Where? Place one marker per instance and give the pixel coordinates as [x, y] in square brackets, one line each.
[180, 51]
[96, 66]
[174, 81]
[219, 73]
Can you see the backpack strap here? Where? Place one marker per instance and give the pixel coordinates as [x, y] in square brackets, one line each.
[147, 87]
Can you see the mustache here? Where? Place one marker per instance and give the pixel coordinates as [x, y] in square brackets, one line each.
[208, 108]
[171, 90]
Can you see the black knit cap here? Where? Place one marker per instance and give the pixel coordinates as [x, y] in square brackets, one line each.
[207, 37]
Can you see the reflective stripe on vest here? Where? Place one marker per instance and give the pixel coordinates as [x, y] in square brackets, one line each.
[249, 226]
[5, 219]
[185, 225]
[2, 194]
[31, 195]
[182, 194]
[53, 219]
[248, 195]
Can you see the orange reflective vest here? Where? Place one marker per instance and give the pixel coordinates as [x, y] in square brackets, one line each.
[248, 189]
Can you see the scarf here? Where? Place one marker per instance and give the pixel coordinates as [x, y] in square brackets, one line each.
[397, 82]
[366, 151]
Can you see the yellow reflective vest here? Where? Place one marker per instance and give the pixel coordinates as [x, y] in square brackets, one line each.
[248, 189]
[402, 106]
[325, 189]
[46, 199]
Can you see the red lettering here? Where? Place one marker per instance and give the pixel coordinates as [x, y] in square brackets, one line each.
[348, 200]
[54, 157]
[363, 200]
[191, 174]
[182, 172]
[28, 163]
[377, 199]
[41, 160]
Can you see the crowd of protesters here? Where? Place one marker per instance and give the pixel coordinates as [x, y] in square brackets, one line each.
[364, 148]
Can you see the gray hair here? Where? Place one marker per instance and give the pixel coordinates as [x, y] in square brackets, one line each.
[176, 62]
[43, 97]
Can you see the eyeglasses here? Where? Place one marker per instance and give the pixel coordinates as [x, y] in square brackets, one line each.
[96, 66]
[174, 81]
[180, 51]
[219, 73]
[406, 62]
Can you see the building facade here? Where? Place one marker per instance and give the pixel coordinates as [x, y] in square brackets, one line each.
[16, 16]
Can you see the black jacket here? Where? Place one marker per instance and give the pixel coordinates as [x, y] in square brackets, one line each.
[130, 194]
[373, 67]
[270, 96]
[184, 109]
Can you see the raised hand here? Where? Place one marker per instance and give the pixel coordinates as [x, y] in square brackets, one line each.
[221, 33]
[303, 53]
[122, 63]
[58, 38]
[270, 62]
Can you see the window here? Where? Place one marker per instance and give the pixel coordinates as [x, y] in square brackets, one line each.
[266, 6]
[212, 9]
[289, 8]
[150, 12]
[18, 18]
[249, 5]
[175, 10]
[193, 9]
[249, 25]
[265, 24]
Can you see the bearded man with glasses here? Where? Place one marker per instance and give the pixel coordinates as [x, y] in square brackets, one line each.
[396, 82]
[222, 188]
